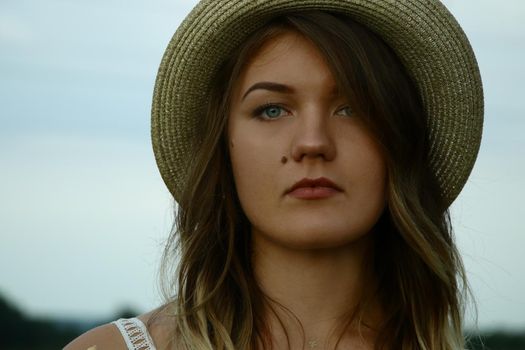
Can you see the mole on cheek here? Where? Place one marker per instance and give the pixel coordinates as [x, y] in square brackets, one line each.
[284, 160]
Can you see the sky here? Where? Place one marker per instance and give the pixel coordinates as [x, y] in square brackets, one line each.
[83, 210]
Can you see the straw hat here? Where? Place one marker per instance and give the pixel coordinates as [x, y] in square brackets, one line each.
[423, 33]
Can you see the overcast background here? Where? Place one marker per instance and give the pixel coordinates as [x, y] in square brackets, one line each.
[83, 211]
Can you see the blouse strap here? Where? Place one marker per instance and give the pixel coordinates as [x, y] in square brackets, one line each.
[134, 333]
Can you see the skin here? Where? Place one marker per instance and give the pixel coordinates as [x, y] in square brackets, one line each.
[308, 253]
[316, 133]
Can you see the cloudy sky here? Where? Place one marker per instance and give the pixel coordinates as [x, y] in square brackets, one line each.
[83, 211]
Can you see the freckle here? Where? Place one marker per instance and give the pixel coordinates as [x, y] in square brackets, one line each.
[284, 160]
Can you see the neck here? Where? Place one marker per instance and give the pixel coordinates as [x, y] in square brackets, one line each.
[319, 288]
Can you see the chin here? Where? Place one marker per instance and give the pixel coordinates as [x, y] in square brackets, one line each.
[315, 236]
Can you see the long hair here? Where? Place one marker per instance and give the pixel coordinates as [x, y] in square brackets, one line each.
[422, 283]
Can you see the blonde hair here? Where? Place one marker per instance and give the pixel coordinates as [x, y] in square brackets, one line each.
[422, 282]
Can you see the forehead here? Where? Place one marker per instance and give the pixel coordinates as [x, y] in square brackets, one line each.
[289, 57]
[280, 45]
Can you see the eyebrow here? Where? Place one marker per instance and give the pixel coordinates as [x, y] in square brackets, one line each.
[266, 85]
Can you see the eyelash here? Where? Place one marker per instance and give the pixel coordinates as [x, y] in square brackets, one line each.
[258, 112]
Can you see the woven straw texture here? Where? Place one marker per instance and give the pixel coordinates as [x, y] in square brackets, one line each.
[423, 33]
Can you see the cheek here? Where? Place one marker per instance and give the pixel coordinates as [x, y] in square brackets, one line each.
[249, 160]
[254, 165]
[365, 166]
[372, 175]
[373, 180]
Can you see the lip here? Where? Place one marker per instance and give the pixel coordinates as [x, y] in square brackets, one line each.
[318, 188]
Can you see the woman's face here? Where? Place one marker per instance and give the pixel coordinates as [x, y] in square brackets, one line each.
[308, 173]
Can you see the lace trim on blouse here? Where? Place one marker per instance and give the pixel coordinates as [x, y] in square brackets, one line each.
[135, 334]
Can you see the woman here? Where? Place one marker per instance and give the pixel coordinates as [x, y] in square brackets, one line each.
[313, 148]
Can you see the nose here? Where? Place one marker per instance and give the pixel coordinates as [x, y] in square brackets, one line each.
[313, 138]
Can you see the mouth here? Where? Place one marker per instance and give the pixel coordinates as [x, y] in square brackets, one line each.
[313, 189]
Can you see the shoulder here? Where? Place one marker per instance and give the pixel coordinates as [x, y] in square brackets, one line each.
[161, 327]
[103, 337]
[159, 323]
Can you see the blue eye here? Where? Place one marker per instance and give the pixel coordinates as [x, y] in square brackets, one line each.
[273, 112]
[269, 112]
[345, 111]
